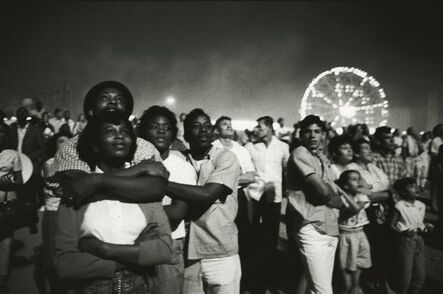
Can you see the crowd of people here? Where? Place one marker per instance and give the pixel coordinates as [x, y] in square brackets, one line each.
[160, 205]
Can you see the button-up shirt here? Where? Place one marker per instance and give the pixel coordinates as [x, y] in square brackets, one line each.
[393, 166]
[373, 176]
[300, 197]
[243, 156]
[269, 163]
[215, 234]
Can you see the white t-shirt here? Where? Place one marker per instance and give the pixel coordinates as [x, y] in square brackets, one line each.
[242, 154]
[412, 215]
[112, 221]
[359, 219]
[9, 163]
[182, 172]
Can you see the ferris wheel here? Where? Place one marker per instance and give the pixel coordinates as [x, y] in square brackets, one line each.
[344, 96]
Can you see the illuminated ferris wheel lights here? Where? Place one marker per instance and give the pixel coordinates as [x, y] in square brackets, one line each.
[347, 111]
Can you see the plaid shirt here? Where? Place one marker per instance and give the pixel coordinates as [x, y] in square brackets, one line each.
[393, 165]
[67, 158]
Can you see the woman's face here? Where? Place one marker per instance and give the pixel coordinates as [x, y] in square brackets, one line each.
[159, 132]
[60, 141]
[114, 141]
[365, 153]
[344, 154]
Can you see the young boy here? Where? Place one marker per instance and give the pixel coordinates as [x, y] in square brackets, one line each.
[354, 250]
[408, 222]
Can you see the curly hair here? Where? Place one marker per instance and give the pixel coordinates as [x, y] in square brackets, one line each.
[190, 117]
[152, 111]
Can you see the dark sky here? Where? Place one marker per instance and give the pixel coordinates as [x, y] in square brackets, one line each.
[243, 59]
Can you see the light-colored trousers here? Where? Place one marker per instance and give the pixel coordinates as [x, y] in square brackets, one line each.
[213, 276]
[318, 254]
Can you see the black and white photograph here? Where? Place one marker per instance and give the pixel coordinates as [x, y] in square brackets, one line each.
[221, 147]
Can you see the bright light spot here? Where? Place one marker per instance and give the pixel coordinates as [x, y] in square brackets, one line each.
[371, 131]
[403, 133]
[348, 111]
[131, 117]
[170, 100]
[339, 131]
[28, 118]
[421, 133]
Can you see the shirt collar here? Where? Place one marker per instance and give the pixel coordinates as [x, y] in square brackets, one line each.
[24, 128]
[409, 203]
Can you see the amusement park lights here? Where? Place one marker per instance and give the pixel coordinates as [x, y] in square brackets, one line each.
[346, 95]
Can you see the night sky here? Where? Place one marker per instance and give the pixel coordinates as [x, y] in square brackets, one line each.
[242, 59]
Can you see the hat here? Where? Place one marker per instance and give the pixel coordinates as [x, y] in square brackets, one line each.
[95, 90]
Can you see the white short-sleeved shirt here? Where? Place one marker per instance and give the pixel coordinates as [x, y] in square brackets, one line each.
[269, 163]
[359, 219]
[412, 215]
[112, 221]
[182, 172]
[243, 156]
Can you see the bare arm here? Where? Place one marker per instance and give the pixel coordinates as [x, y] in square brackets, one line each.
[322, 192]
[201, 195]
[176, 212]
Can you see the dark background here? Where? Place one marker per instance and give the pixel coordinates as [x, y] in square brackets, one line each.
[243, 59]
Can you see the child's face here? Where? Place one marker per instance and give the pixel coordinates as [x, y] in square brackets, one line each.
[410, 192]
[115, 140]
[353, 183]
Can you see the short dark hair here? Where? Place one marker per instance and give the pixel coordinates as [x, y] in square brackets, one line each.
[336, 142]
[344, 176]
[153, 111]
[269, 121]
[400, 184]
[57, 110]
[88, 138]
[381, 131]
[436, 129]
[220, 119]
[357, 143]
[311, 120]
[196, 112]
[95, 90]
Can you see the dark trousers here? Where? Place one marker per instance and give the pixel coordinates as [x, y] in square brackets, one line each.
[266, 224]
[410, 261]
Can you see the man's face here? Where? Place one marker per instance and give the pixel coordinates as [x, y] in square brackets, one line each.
[67, 115]
[387, 142]
[201, 132]
[311, 137]
[225, 129]
[109, 99]
[263, 130]
[59, 114]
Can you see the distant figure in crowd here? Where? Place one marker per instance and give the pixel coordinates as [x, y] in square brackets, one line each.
[270, 156]
[57, 121]
[80, 124]
[68, 120]
[283, 133]
[435, 144]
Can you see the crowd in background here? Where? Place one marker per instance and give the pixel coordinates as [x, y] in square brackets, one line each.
[354, 200]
